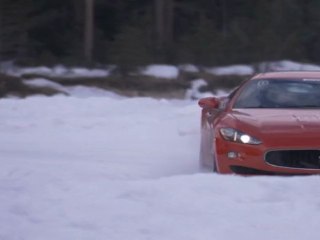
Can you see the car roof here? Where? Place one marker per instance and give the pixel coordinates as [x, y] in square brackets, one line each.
[288, 75]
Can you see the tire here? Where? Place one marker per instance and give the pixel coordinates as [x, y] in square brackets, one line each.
[202, 153]
[206, 156]
[215, 168]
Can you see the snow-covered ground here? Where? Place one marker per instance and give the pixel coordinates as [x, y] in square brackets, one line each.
[126, 169]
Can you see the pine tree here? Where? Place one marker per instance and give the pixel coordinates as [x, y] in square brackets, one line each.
[130, 48]
[14, 24]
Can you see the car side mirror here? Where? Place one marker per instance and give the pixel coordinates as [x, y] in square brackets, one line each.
[209, 102]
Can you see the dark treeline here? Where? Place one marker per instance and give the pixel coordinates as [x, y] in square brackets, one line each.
[136, 32]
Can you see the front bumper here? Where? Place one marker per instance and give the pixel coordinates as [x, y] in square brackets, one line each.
[250, 159]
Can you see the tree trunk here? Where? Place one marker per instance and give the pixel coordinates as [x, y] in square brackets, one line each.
[89, 30]
[163, 27]
[169, 11]
[224, 18]
[159, 24]
[1, 26]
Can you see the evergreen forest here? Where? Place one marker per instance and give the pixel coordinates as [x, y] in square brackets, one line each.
[138, 32]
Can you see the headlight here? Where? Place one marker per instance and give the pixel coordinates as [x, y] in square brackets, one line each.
[234, 135]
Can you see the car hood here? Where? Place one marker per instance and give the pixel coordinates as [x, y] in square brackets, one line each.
[279, 120]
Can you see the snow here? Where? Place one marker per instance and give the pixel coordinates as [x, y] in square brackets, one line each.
[189, 68]
[231, 70]
[56, 71]
[156, 70]
[161, 71]
[195, 91]
[42, 82]
[75, 91]
[287, 65]
[241, 69]
[126, 168]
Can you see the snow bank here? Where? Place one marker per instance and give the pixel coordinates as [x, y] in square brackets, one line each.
[287, 65]
[57, 71]
[157, 70]
[284, 65]
[161, 71]
[195, 91]
[189, 68]
[75, 91]
[231, 70]
[41, 82]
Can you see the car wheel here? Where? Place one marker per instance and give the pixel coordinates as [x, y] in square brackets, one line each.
[215, 169]
[203, 152]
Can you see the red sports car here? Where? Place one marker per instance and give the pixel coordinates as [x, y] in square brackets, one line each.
[270, 124]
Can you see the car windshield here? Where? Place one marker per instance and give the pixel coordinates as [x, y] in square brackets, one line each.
[280, 93]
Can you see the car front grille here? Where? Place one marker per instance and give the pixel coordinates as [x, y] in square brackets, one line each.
[305, 159]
